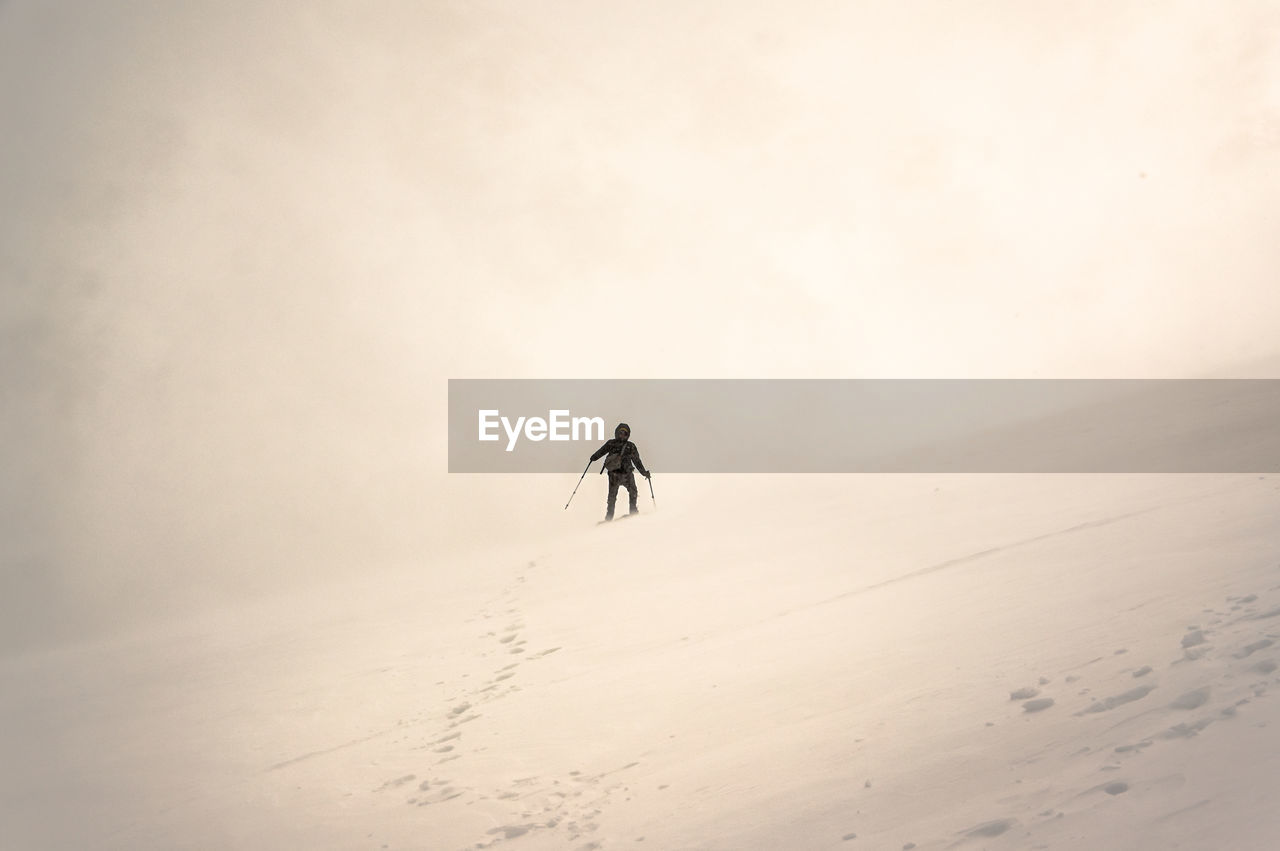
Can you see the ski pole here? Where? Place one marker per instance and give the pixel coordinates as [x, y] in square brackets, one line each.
[580, 478]
[649, 479]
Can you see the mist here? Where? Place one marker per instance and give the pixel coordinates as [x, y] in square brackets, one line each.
[244, 247]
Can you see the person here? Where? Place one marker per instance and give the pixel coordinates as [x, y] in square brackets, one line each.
[620, 456]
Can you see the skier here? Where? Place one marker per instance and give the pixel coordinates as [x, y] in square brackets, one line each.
[622, 455]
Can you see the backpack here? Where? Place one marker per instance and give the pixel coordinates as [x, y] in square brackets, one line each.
[613, 461]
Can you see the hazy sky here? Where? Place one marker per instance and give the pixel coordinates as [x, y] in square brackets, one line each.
[243, 246]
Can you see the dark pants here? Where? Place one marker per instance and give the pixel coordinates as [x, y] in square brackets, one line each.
[617, 479]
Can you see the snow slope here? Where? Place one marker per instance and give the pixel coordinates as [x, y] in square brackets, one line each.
[807, 662]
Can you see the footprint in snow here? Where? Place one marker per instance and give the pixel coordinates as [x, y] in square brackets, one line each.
[1109, 703]
[399, 781]
[1145, 743]
[511, 831]
[1191, 700]
[1186, 731]
[988, 829]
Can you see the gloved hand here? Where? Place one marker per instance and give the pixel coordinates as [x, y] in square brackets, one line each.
[644, 473]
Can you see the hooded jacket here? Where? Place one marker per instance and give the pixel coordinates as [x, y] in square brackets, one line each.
[621, 446]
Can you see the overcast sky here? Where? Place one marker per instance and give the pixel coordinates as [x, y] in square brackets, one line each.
[243, 246]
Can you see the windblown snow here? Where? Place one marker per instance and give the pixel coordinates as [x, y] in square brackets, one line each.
[801, 663]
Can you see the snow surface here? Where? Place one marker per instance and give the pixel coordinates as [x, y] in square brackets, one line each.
[802, 662]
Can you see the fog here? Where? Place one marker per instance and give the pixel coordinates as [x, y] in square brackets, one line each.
[242, 248]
